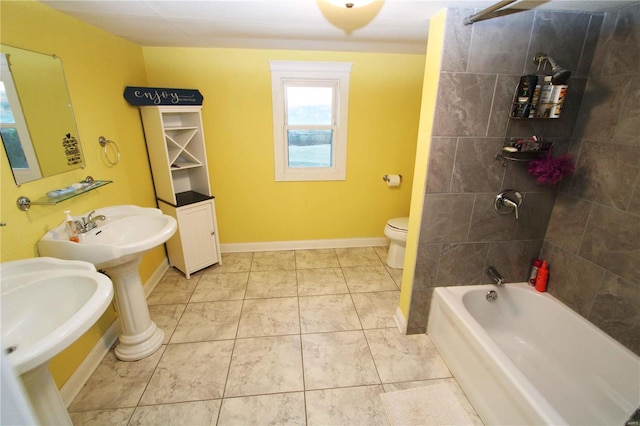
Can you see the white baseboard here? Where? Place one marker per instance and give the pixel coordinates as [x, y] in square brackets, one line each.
[79, 378]
[303, 244]
[401, 321]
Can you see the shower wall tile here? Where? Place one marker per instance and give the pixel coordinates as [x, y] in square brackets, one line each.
[463, 104]
[517, 177]
[568, 222]
[423, 283]
[590, 44]
[487, 224]
[513, 259]
[500, 45]
[440, 168]
[622, 53]
[602, 48]
[534, 215]
[615, 311]
[446, 218]
[573, 280]
[502, 101]
[462, 264]
[559, 35]
[475, 168]
[601, 107]
[634, 204]
[563, 127]
[607, 173]
[457, 39]
[628, 129]
[612, 241]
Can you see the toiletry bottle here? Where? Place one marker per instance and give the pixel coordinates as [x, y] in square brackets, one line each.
[537, 263]
[70, 227]
[542, 277]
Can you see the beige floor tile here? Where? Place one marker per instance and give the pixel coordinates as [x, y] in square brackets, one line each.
[396, 275]
[273, 261]
[272, 284]
[358, 256]
[118, 417]
[115, 383]
[452, 384]
[277, 409]
[173, 289]
[189, 372]
[376, 310]
[215, 287]
[166, 317]
[208, 321]
[403, 358]
[321, 258]
[232, 262]
[328, 313]
[362, 279]
[265, 365]
[347, 406]
[382, 252]
[269, 317]
[321, 281]
[338, 359]
[197, 413]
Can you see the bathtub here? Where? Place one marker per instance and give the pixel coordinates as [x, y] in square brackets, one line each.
[526, 358]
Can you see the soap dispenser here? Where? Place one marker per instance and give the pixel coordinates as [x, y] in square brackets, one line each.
[69, 226]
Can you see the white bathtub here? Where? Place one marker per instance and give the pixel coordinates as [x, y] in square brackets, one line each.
[526, 358]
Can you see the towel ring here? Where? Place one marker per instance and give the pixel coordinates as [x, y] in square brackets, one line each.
[105, 143]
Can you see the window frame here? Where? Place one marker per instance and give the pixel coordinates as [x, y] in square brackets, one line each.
[310, 74]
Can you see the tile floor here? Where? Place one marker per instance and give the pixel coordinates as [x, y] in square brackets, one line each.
[288, 337]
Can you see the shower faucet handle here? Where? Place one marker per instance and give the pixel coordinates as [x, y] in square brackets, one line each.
[508, 201]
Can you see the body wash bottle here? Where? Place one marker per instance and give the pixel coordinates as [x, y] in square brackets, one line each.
[72, 233]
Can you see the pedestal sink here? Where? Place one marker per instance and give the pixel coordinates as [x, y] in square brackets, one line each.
[46, 305]
[116, 246]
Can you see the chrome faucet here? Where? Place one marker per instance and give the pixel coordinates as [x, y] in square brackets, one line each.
[495, 275]
[89, 222]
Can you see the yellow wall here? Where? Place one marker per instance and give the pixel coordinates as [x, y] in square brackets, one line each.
[384, 106]
[427, 110]
[98, 66]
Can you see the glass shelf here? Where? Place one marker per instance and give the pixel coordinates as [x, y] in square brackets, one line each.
[24, 203]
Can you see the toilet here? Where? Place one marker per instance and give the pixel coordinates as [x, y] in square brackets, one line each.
[396, 231]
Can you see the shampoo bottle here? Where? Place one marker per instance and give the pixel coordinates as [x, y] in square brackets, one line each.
[70, 227]
[542, 277]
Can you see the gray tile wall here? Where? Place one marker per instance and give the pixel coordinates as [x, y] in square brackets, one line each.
[593, 238]
[482, 63]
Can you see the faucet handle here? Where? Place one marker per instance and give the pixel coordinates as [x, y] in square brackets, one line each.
[508, 201]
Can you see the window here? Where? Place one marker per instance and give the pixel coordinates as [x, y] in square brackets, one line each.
[310, 110]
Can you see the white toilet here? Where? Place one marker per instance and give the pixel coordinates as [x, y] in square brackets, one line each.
[396, 231]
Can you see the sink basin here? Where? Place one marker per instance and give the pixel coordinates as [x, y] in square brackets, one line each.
[117, 245]
[126, 234]
[46, 305]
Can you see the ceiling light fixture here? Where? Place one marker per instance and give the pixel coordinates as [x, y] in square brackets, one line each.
[350, 15]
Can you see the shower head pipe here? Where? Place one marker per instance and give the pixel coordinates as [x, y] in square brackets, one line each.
[559, 75]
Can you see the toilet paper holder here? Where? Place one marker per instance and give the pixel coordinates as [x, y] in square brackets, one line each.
[386, 178]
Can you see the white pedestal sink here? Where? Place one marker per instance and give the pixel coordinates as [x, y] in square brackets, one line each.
[116, 246]
[46, 305]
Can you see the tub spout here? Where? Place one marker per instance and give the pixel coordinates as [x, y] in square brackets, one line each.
[495, 275]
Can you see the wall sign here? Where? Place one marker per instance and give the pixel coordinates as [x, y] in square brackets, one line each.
[146, 96]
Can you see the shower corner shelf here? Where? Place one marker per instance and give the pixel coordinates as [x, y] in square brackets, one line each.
[24, 203]
[520, 156]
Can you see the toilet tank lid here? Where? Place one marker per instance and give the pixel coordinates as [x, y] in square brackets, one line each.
[401, 223]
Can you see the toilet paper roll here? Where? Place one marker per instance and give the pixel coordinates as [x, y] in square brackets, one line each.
[393, 180]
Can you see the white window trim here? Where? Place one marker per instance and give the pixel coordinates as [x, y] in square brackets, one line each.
[310, 72]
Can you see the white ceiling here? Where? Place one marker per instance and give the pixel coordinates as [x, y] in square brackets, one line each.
[400, 26]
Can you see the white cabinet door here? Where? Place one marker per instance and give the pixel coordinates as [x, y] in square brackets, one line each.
[197, 227]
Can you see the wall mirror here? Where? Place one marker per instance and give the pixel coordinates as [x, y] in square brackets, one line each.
[37, 124]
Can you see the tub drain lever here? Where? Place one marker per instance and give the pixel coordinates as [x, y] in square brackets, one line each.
[491, 296]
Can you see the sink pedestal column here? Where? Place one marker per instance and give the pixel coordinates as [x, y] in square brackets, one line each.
[44, 396]
[140, 336]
